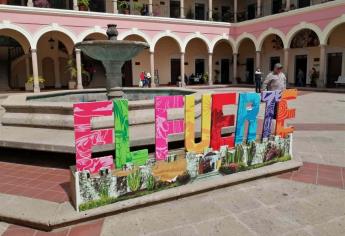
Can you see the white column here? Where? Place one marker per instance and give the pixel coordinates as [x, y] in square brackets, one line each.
[35, 70]
[210, 68]
[30, 3]
[75, 5]
[115, 10]
[286, 61]
[150, 8]
[182, 9]
[287, 8]
[235, 10]
[152, 69]
[210, 10]
[182, 69]
[235, 67]
[258, 12]
[322, 79]
[131, 7]
[78, 62]
[258, 59]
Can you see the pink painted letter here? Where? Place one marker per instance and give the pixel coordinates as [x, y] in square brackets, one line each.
[163, 126]
[85, 138]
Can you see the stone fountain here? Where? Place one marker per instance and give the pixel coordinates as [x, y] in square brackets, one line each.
[113, 54]
[44, 121]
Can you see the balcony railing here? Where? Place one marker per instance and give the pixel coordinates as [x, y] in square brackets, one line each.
[161, 9]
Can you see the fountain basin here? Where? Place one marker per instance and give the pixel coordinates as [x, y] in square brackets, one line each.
[112, 50]
[47, 118]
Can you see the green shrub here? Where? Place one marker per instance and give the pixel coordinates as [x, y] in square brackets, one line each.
[134, 180]
[150, 182]
[251, 153]
[239, 152]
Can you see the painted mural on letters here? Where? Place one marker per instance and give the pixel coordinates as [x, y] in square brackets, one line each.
[216, 151]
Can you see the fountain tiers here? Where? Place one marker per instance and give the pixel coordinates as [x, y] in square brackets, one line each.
[113, 54]
[42, 122]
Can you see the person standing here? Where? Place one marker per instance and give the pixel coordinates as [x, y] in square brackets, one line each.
[313, 77]
[300, 77]
[275, 80]
[148, 79]
[142, 79]
[258, 78]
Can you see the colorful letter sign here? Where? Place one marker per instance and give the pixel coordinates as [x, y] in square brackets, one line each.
[220, 121]
[85, 138]
[122, 152]
[248, 109]
[211, 130]
[271, 98]
[163, 126]
[284, 113]
[190, 144]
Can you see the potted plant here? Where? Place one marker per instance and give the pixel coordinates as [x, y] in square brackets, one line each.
[124, 7]
[71, 68]
[29, 84]
[83, 5]
[42, 3]
[205, 78]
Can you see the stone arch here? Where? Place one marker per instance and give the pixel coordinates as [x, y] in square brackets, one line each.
[135, 31]
[243, 37]
[198, 36]
[296, 29]
[221, 38]
[56, 28]
[91, 31]
[330, 28]
[169, 34]
[24, 38]
[269, 32]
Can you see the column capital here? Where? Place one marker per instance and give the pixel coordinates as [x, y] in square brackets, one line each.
[258, 51]
[77, 50]
[33, 50]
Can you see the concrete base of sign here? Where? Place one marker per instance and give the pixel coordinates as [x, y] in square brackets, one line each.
[23, 211]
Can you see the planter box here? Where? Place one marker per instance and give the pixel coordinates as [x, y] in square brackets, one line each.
[72, 84]
[29, 87]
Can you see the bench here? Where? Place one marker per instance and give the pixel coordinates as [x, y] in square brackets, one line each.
[340, 81]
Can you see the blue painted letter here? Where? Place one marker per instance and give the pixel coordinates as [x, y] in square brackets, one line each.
[248, 109]
[270, 98]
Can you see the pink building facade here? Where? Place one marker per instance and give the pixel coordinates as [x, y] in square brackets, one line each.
[300, 39]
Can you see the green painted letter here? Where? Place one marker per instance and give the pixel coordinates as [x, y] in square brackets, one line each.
[122, 152]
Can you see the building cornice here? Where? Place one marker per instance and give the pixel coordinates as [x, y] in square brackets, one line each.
[321, 6]
[109, 16]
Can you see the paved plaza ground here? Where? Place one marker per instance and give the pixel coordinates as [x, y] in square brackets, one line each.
[310, 201]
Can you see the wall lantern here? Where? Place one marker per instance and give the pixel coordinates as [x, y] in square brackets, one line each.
[51, 42]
